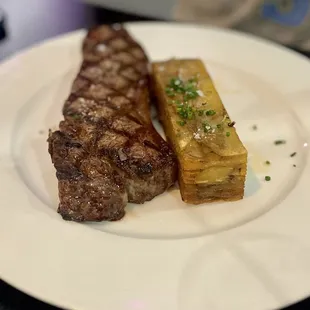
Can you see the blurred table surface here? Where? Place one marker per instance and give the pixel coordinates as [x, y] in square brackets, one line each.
[28, 22]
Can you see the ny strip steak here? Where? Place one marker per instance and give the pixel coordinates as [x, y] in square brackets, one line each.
[106, 152]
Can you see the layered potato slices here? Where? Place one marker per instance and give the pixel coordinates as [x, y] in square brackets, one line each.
[212, 159]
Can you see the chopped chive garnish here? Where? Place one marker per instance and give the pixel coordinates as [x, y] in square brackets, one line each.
[185, 111]
[181, 123]
[190, 95]
[186, 91]
[193, 80]
[278, 142]
[267, 162]
[206, 127]
[267, 178]
[293, 154]
[169, 92]
[227, 134]
[218, 126]
[210, 112]
[190, 114]
[175, 83]
[254, 127]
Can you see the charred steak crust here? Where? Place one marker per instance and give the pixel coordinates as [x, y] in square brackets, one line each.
[106, 152]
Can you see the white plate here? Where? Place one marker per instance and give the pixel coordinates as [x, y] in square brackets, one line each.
[164, 254]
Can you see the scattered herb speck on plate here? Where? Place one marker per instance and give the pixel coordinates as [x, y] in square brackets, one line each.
[279, 142]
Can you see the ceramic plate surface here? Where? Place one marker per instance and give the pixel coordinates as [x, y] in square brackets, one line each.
[251, 254]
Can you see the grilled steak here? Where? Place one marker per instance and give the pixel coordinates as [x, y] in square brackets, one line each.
[106, 151]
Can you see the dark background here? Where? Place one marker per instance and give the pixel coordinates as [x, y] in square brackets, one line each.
[31, 21]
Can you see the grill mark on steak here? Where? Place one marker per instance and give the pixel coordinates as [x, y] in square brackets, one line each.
[106, 151]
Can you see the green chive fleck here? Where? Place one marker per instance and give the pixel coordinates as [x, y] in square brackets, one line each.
[206, 127]
[293, 154]
[169, 92]
[185, 111]
[210, 112]
[181, 123]
[190, 114]
[188, 91]
[278, 142]
[267, 178]
[218, 126]
[193, 80]
[175, 83]
[227, 134]
[190, 95]
[267, 162]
